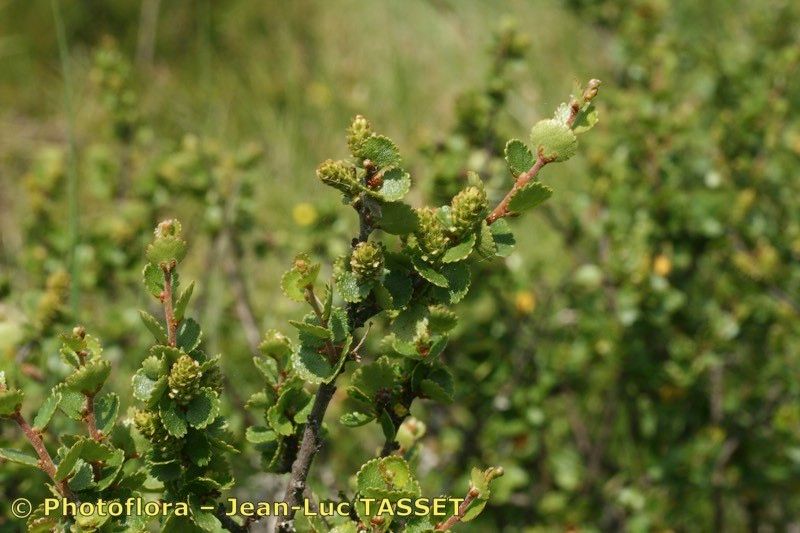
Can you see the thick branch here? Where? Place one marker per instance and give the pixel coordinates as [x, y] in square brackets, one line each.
[312, 440]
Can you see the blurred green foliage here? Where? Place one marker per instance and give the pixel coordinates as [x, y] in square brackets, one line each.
[633, 365]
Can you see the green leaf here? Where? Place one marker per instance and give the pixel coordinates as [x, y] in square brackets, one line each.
[16, 456]
[153, 367]
[89, 378]
[47, 410]
[146, 389]
[83, 478]
[503, 237]
[354, 419]
[203, 408]
[585, 120]
[315, 367]
[153, 278]
[292, 289]
[68, 462]
[438, 385]
[198, 448]
[367, 380]
[397, 218]
[387, 426]
[154, 326]
[441, 319]
[10, 401]
[173, 422]
[260, 435]
[276, 345]
[312, 329]
[95, 451]
[458, 278]
[529, 196]
[205, 519]
[407, 325]
[283, 414]
[428, 272]
[268, 368]
[189, 335]
[302, 274]
[554, 140]
[396, 290]
[518, 157]
[387, 477]
[105, 411]
[380, 150]
[349, 288]
[165, 249]
[396, 183]
[72, 402]
[260, 401]
[183, 301]
[460, 251]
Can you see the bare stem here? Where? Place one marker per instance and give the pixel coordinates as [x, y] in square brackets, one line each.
[462, 510]
[89, 418]
[45, 461]
[502, 208]
[169, 313]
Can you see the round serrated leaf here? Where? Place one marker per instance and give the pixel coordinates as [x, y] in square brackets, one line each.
[89, 378]
[355, 419]
[554, 140]
[46, 411]
[105, 411]
[166, 249]
[203, 408]
[260, 435]
[172, 419]
[397, 218]
[529, 196]
[518, 157]
[503, 237]
[153, 278]
[396, 183]
[189, 335]
[380, 150]
[10, 401]
[428, 272]
[460, 251]
[387, 476]
[16, 456]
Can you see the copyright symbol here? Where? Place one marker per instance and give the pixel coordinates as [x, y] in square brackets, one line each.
[21, 508]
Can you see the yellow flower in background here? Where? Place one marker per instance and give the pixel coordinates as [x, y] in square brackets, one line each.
[662, 265]
[304, 214]
[525, 302]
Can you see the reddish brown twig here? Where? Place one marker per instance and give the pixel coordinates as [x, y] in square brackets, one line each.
[462, 510]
